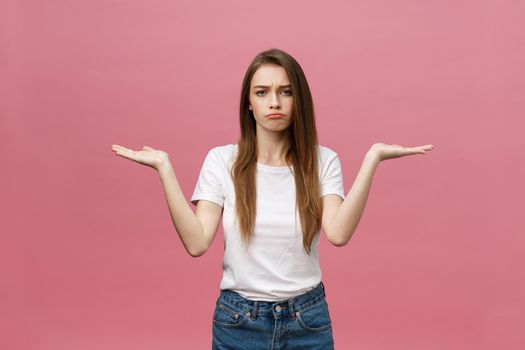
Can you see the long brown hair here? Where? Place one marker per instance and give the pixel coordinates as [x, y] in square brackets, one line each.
[302, 153]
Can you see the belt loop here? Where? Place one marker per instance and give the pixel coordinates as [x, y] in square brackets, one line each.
[291, 310]
[254, 311]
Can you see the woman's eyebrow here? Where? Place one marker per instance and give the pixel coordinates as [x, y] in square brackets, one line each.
[266, 86]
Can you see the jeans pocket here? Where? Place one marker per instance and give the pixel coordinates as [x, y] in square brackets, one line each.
[315, 318]
[226, 315]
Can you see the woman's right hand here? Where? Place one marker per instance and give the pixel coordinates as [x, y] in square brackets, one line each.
[151, 157]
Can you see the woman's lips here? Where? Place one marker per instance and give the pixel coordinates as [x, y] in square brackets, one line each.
[275, 116]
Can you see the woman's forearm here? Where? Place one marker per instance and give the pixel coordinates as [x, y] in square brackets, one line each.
[349, 214]
[186, 223]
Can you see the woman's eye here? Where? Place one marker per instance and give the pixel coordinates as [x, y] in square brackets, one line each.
[287, 92]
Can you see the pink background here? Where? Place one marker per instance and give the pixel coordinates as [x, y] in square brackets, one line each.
[89, 258]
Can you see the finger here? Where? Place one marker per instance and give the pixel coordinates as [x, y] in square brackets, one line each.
[413, 150]
[422, 149]
[123, 153]
[120, 148]
[148, 148]
[127, 153]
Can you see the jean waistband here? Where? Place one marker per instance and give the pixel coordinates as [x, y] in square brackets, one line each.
[278, 308]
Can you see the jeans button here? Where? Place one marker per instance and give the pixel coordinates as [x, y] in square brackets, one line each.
[278, 308]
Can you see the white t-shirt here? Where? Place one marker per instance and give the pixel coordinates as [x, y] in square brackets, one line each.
[275, 266]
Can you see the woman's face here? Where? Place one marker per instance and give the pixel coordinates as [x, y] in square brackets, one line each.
[270, 93]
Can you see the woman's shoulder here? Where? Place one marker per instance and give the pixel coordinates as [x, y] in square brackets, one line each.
[223, 152]
[224, 149]
[328, 158]
[326, 152]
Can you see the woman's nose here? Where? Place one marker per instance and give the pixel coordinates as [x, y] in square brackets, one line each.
[275, 101]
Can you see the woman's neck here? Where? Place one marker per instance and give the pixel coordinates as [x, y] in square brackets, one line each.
[272, 148]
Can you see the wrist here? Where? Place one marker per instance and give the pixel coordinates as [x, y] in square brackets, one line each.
[373, 156]
[165, 168]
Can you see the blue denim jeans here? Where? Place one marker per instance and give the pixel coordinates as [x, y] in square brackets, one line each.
[299, 323]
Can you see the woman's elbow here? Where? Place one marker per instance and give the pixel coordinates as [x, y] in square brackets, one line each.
[338, 240]
[195, 253]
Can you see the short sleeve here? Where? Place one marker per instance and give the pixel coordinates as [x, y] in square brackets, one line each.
[332, 177]
[209, 185]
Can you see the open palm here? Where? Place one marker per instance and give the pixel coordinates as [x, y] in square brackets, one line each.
[148, 156]
[385, 151]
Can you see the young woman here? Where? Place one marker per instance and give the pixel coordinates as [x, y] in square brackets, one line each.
[275, 188]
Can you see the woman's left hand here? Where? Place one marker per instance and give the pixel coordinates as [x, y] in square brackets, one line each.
[384, 151]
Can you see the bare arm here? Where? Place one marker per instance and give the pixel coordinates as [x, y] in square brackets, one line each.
[196, 230]
[340, 218]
